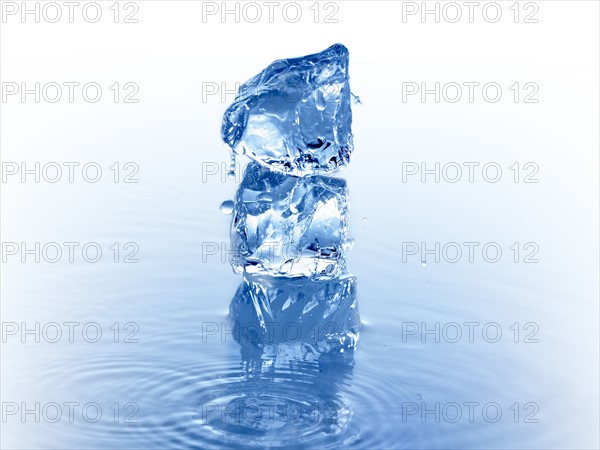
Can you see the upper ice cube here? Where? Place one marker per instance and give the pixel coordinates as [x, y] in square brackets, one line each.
[295, 116]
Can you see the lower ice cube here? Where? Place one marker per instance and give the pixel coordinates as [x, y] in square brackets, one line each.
[290, 226]
[270, 310]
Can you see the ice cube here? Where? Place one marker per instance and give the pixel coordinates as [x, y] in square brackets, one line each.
[295, 116]
[272, 310]
[285, 225]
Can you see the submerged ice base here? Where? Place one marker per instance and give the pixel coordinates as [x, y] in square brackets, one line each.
[322, 313]
[295, 116]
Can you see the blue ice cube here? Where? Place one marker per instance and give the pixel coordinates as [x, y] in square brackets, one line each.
[291, 226]
[295, 115]
[272, 310]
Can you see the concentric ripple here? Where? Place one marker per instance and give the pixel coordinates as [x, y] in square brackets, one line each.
[267, 399]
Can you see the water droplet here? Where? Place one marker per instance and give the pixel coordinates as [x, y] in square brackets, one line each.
[227, 207]
[423, 263]
[231, 171]
[348, 245]
[364, 219]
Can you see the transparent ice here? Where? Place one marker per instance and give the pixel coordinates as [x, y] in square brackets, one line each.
[272, 310]
[295, 116]
[290, 226]
[289, 229]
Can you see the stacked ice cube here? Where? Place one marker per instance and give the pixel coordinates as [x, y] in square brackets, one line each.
[289, 229]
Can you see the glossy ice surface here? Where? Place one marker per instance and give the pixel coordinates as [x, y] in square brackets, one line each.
[321, 314]
[295, 116]
[289, 226]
